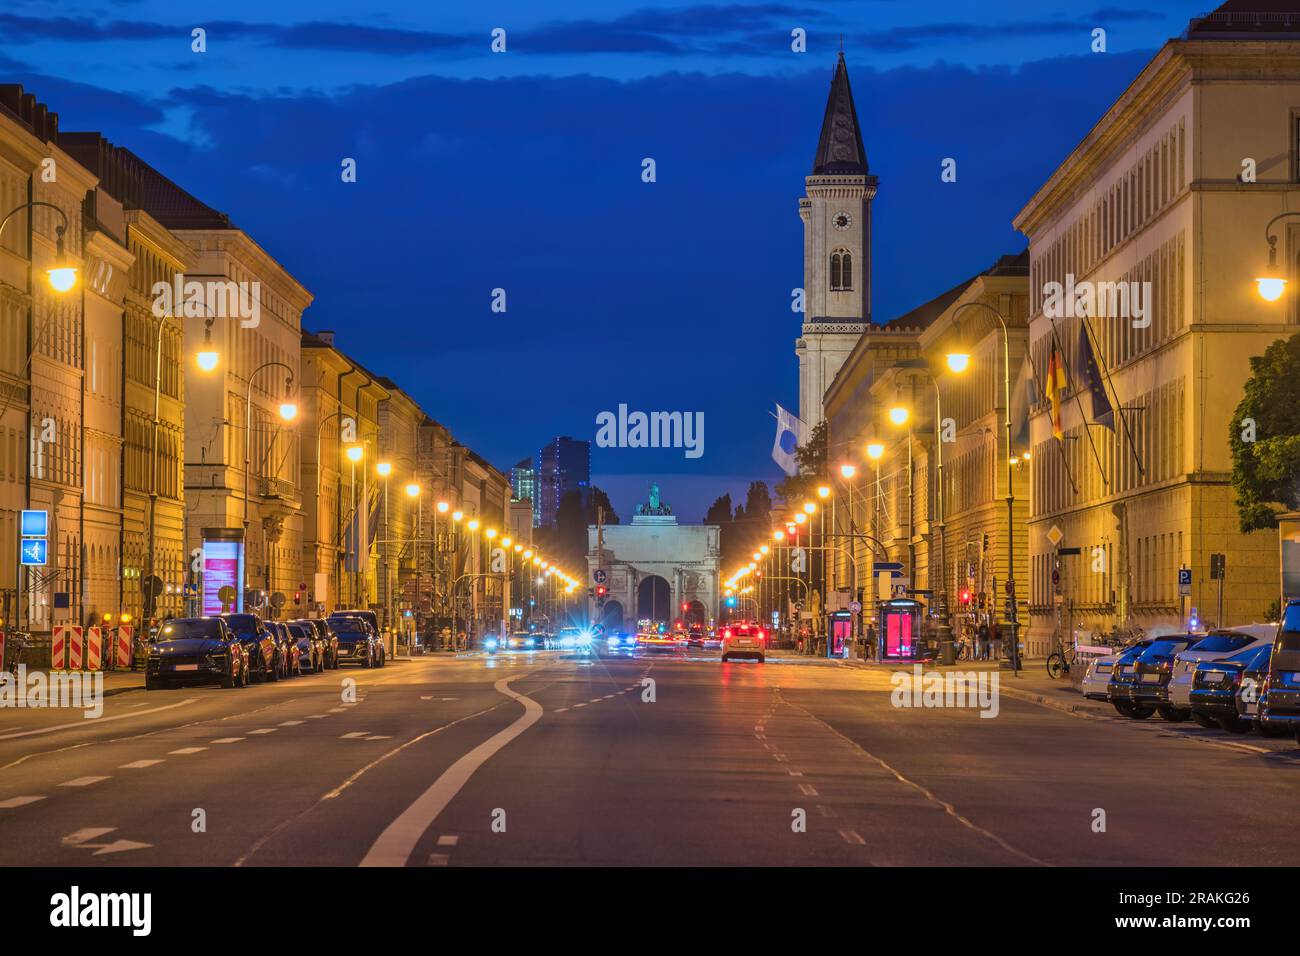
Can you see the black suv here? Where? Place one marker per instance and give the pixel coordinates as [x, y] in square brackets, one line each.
[1279, 706]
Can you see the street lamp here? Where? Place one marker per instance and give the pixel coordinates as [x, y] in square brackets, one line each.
[207, 356]
[1273, 282]
[62, 276]
[1013, 618]
[848, 471]
[285, 407]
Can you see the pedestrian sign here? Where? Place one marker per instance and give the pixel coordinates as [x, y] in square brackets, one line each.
[33, 552]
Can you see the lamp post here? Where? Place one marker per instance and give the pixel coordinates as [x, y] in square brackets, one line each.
[1013, 615]
[413, 492]
[288, 411]
[1272, 283]
[62, 276]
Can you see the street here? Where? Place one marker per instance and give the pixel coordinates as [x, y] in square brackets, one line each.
[556, 758]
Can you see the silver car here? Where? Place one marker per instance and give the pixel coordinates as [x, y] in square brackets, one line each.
[1216, 645]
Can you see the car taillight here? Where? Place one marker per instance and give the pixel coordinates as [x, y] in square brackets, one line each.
[762, 635]
[726, 633]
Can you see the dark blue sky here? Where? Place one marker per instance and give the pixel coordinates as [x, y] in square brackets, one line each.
[522, 171]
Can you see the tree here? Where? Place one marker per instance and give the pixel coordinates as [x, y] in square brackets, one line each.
[812, 458]
[758, 502]
[720, 511]
[1264, 437]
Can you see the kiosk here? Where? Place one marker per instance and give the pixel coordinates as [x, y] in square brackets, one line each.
[900, 630]
[839, 633]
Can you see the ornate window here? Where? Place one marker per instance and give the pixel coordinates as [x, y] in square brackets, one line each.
[841, 270]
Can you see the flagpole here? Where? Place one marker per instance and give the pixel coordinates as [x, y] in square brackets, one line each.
[1119, 406]
[1065, 461]
[1079, 403]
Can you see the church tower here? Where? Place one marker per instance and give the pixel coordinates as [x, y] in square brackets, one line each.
[836, 214]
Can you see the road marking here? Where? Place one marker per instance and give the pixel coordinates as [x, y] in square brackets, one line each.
[82, 781]
[187, 750]
[354, 735]
[13, 802]
[427, 697]
[265, 730]
[291, 723]
[84, 834]
[337, 710]
[83, 837]
[826, 811]
[808, 790]
[444, 840]
[229, 740]
[852, 836]
[98, 720]
[437, 859]
[317, 716]
[394, 846]
[795, 773]
[379, 737]
[560, 710]
[579, 705]
[139, 764]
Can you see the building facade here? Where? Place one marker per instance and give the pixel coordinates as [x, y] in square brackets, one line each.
[1155, 196]
[563, 465]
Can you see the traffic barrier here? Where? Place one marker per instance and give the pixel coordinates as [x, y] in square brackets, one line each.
[76, 643]
[59, 647]
[2, 651]
[94, 648]
[125, 644]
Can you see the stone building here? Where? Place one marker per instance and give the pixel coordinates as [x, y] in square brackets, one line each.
[1155, 195]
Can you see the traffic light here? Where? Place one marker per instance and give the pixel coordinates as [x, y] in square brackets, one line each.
[965, 597]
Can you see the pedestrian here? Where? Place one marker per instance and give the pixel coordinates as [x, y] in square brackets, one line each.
[995, 633]
[982, 641]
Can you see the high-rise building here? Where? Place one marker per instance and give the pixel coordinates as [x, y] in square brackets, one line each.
[836, 214]
[523, 480]
[563, 465]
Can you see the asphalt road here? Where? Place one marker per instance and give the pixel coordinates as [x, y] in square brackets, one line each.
[551, 758]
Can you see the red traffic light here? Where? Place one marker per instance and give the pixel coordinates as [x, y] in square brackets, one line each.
[600, 590]
[965, 597]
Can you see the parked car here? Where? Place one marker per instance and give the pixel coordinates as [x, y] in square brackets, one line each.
[356, 642]
[329, 640]
[1139, 686]
[193, 650]
[310, 647]
[289, 653]
[1096, 679]
[1217, 645]
[1253, 679]
[1279, 705]
[1217, 684]
[259, 643]
[379, 655]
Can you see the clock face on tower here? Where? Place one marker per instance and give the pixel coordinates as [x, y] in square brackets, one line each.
[841, 220]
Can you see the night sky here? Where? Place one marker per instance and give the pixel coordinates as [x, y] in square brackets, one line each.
[522, 171]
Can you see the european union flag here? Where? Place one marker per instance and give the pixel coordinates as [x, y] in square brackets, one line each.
[1103, 413]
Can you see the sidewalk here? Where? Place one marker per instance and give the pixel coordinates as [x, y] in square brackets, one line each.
[115, 682]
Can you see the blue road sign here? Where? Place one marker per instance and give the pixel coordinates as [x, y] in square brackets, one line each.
[33, 552]
[887, 566]
[1184, 577]
[35, 524]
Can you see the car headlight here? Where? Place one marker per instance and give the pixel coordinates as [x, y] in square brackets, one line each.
[490, 643]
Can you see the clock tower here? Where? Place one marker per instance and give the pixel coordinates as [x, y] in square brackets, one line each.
[836, 214]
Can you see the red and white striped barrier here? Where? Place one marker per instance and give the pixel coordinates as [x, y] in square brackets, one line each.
[94, 648]
[125, 644]
[76, 645]
[2, 651]
[59, 647]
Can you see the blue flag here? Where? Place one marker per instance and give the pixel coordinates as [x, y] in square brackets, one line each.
[1103, 413]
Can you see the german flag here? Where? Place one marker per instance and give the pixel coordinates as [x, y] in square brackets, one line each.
[1057, 382]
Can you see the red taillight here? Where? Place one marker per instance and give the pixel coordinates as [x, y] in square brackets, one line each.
[726, 633]
[762, 635]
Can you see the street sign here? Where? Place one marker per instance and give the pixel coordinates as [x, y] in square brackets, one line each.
[35, 524]
[1218, 567]
[878, 566]
[1069, 551]
[1184, 581]
[1054, 535]
[855, 606]
[600, 575]
[33, 552]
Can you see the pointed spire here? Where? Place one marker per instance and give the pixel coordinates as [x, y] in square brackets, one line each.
[839, 151]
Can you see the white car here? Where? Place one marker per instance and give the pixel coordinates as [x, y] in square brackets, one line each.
[1216, 645]
[744, 640]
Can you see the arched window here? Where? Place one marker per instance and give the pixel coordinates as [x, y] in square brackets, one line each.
[841, 270]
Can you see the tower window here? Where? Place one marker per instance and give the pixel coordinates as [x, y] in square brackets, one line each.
[841, 270]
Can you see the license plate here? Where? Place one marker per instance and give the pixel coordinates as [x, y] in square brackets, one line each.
[1127, 669]
[1213, 677]
[1150, 678]
[185, 667]
[744, 643]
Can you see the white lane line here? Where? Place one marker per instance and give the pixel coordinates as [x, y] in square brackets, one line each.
[229, 740]
[559, 710]
[379, 737]
[826, 811]
[576, 706]
[138, 764]
[337, 710]
[445, 840]
[437, 859]
[427, 697]
[81, 781]
[356, 734]
[187, 750]
[808, 790]
[795, 773]
[394, 846]
[852, 836]
[265, 730]
[291, 723]
[317, 716]
[13, 802]
[98, 720]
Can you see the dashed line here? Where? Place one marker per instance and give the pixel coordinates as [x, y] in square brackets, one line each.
[852, 836]
[576, 706]
[139, 764]
[437, 859]
[826, 811]
[560, 710]
[795, 773]
[81, 781]
[229, 740]
[379, 737]
[317, 716]
[446, 840]
[808, 790]
[291, 723]
[337, 710]
[187, 750]
[354, 735]
[13, 802]
[265, 730]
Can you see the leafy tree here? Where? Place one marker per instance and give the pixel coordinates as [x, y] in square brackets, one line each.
[1264, 437]
[758, 502]
[720, 511]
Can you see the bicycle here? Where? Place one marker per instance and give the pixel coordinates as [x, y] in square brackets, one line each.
[17, 641]
[1059, 661]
